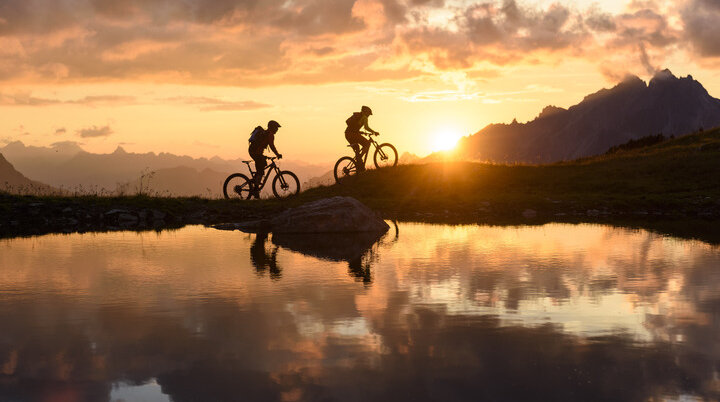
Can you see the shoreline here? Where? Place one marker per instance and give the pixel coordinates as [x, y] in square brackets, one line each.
[22, 216]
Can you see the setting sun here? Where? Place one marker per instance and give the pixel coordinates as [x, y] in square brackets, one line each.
[445, 139]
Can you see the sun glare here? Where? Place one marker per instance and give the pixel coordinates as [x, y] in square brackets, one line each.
[445, 139]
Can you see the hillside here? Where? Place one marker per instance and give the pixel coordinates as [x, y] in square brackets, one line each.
[632, 109]
[14, 182]
[671, 187]
[676, 177]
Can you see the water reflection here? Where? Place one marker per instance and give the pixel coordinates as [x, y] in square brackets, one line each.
[558, 312]
[262, 260]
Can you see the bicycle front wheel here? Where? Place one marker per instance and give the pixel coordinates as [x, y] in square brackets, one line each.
[285, 184]
[344, 167]
[385, 156]
[237, 186]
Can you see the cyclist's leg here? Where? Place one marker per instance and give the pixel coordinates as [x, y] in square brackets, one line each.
[260, 163]
[357, 141]
[365, 144]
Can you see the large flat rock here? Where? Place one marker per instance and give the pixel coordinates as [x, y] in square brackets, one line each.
[329, 215]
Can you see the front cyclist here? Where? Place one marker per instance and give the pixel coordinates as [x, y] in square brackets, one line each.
[354, 123]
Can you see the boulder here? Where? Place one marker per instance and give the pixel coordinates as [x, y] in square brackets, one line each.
[329, 215]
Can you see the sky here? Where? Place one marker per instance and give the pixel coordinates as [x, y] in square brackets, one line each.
[195, 77]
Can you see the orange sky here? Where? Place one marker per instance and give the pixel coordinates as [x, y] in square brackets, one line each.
[195, 77]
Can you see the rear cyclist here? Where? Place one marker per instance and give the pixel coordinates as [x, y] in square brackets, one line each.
[259, 140]
[354, 123]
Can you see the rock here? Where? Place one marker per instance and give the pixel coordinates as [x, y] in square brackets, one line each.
[258, 226]
[127, 218]
[529, 213]
[329, 215]
[115, 212]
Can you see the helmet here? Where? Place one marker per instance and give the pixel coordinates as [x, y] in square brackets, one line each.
[366, 109]
[273, 124]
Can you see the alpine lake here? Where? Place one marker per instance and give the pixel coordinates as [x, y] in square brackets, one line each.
[556, 312]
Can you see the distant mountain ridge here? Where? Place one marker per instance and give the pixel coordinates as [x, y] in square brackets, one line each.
[67, 165]
[14, 182]
[667, 105]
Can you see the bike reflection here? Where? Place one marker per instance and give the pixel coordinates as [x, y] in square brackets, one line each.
[262, 260]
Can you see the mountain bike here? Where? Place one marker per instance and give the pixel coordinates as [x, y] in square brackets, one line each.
[385, 156]
[285, 183]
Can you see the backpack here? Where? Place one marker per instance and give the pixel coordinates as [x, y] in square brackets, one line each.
[256, 134]
[354, 122]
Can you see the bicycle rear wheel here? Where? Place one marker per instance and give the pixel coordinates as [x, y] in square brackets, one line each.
[344, 167]
[385, 156]
[285, 184]
[238, 186]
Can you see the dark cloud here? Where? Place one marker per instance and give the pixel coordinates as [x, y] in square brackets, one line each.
[60, 131]
[702, 26]
[95, 131]
[266, 42]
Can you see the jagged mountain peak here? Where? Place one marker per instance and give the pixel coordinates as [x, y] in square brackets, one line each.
[550, 110]
[629, 110]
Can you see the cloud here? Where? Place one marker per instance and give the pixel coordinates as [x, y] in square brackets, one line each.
[702, 26]
[215, 104]
[95, 131]
[26, 99]
[255, 43]
[60, 131]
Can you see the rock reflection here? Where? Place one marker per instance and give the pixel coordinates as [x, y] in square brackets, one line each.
[354, 248]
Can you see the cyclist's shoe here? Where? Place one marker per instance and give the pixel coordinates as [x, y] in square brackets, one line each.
[254, 194]
[360, 166]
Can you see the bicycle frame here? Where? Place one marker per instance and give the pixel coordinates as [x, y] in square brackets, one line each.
[272, 166]
[372, 142]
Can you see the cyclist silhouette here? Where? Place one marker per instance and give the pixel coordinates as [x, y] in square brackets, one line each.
[260, 140]
[354, 123]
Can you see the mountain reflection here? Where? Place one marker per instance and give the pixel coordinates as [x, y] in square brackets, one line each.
[558, 312]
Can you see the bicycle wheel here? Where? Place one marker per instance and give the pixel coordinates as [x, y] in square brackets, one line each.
[285, 184]
[385, 156]
[237, 186]
[344, 167]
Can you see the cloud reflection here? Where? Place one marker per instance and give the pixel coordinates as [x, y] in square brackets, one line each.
[557, 312]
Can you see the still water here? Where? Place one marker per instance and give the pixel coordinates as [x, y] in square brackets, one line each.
[427, 312]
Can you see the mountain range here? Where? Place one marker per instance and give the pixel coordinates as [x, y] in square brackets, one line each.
[666, 105]
[14, 182]
[66, 165]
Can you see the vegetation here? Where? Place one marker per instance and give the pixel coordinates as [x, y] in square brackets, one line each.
[674, 179]
[638, 143]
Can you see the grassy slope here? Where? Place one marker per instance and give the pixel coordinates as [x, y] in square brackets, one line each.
[677, 176]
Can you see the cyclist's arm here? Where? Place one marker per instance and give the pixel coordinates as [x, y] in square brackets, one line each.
[366, 127]
[272, 147]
